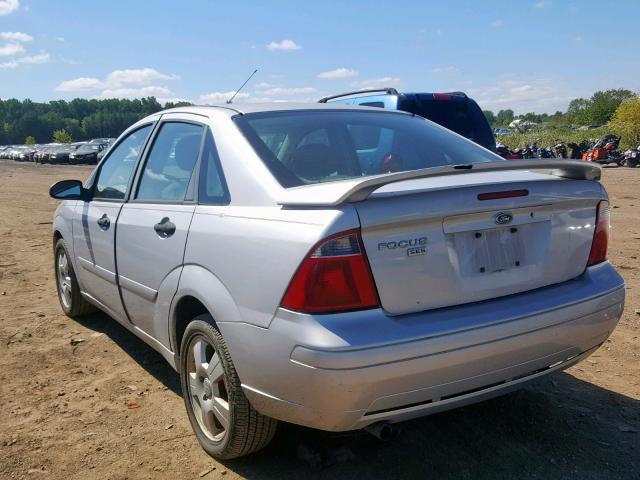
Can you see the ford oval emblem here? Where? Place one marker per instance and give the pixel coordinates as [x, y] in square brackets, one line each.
[503, 218]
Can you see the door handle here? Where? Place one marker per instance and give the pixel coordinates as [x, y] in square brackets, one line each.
[165, 228]
[104, 222]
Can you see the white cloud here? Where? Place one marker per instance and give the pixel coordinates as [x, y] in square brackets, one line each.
[341, 72]
[60, 39]
[149, 91]
[8, 6]
[129, 83]
[220, 97]
[534, 95]
[496, 23]
[577, 39]
[378, 82]
[275, 91]
[242, 97]
[10, 49]
[81, 84]
[449, 70]
[136, 76]
[285, 45]
[43, 57]
[263, 85]
[541, 5]
[16, 36]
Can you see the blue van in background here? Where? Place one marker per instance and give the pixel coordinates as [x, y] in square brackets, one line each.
[454, 110]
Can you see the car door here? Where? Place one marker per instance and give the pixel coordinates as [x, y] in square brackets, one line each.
[95, 221]
[153, 225]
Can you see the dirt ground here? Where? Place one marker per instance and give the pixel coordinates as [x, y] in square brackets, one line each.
[65, 387]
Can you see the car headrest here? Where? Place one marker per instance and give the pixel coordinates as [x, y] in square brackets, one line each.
[186, 152]
[314, 161]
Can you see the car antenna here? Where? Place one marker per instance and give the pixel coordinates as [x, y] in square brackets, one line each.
[241, 86]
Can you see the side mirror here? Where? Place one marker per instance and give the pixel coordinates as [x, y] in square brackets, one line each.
[68, 190]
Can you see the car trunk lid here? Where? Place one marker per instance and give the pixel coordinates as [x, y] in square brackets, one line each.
[435, 242]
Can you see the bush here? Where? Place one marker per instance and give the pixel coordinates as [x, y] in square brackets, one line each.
[548, 137]
[62, 136]
[30, 140]
[626, 123]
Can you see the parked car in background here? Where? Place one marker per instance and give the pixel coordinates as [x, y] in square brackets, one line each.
[454, 110]
[42, 155]
[60, 154]
[285, 276]
[21, 154]
[87, 153]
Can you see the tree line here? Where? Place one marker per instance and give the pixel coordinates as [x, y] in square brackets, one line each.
[79, 119]
[597, 110]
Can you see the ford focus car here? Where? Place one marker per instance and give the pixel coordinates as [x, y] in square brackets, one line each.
[337, 267]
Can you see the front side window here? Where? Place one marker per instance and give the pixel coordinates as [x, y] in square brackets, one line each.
[325, 146]
[170, 163]
[115, 172]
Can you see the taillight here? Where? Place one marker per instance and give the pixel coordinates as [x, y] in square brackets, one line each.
[333, 277]
[600, 242]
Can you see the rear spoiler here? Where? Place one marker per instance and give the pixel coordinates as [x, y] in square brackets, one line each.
[331, 194]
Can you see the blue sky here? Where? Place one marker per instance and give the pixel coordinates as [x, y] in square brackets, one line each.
[525, 55]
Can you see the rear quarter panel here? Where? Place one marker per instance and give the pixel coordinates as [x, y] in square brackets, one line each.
[253, 252]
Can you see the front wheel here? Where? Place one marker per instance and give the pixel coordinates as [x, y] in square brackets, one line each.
[225, 423]
[71, 300]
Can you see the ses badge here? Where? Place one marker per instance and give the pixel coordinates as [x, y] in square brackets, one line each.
[413, 246]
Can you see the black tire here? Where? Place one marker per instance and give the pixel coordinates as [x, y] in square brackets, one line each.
[248, 430]
[77, 305]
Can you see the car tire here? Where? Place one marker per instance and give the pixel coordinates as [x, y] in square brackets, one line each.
[209, 381]
[71, 300]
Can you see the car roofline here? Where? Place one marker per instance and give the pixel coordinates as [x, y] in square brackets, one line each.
[244, 109]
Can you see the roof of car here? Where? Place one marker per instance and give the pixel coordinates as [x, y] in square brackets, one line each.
[243, 108]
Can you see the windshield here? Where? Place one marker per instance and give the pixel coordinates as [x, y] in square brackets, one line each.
[90, 148]
[311, 146]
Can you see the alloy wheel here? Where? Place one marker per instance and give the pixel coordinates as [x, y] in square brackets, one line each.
[64, 278]
[208, 391]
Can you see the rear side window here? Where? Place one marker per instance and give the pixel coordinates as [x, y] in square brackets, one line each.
[372, 104]
[171, 162]
[213, 188]
[324, 146]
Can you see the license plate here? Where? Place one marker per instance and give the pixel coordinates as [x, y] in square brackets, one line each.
[490, 251]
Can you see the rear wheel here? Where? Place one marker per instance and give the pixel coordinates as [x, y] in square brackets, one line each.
[224, 422]
[71, 300]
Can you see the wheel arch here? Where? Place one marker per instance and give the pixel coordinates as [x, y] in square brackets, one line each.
[199, 292]
[57, 235]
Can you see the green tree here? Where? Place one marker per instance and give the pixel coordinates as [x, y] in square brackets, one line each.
[626, 122]
[504, 117]
[30, 140]
[598, 109]
[62, 136]
[489, 115]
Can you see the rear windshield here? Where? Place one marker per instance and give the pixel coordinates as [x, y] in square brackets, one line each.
[311, 146]
[463, 116]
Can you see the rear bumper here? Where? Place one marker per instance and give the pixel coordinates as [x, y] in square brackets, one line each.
[343, 372]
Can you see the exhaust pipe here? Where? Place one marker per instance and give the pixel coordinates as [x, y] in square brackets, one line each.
[382, 430]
